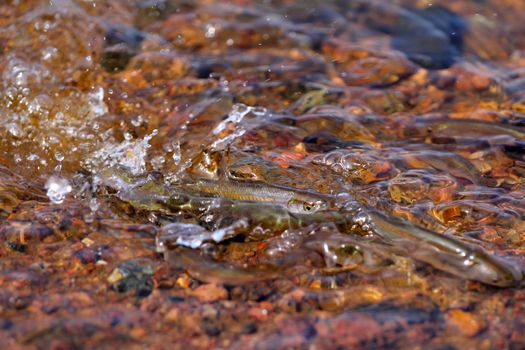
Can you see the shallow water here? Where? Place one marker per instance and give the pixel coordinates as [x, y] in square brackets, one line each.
[412, 109]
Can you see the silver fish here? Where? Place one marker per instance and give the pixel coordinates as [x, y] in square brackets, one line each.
[294, 200]
[461, 127]
[444, 252]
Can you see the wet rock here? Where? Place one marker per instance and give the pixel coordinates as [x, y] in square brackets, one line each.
[407, 188]
[93, 254]
[249, 328]
[122, 44]
[434, 40]
[18, 234]
[173, 315]
[465, 322]
[322, 142]
[150, 11]
[211, 328]
[210, 293]
[447, 21]
[431, 37]
[133, 275]
[84, 84]
[21, 302]
[68, 333]
[386, 102]
[349, 332]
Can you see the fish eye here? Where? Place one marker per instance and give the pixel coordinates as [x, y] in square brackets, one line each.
[307, 206]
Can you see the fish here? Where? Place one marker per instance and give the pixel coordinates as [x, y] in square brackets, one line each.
[282, 207]
[204, 268]
[444, 252]
[262, 219]
[215, 211]
[294, 200]
[208, 270]
[277, 219]
[460, 128]
[448, 162]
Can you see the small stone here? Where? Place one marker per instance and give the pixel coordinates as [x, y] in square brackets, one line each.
[210, 293]
[209, 312]
[133, 275]
[464, 321]
[258, 313]
[138, 332]
[184, 281]
[172, 315]
[211, 328]
[347, 331]
[115, 276]
[87, 241]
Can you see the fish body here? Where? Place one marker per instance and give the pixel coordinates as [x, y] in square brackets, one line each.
[461, 127]
[444, 252]
[267, 208]
[294, 200]
[206, 269]
[264, 220]
[448, 162]
[225, 219]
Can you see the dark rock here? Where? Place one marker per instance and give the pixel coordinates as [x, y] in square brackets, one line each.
[122, 43]
[432, 37]
[133, 275]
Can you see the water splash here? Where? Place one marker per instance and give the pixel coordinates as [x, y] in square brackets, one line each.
[235, 125]
[193, 236]
[57, 189]
[129, 155]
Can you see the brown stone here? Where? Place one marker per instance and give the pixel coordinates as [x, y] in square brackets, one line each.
[172, 315]
[210, 293]
[465, 322]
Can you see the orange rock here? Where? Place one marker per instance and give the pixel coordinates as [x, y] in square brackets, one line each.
[183, 281]
[442, 194]
[210, 292]
[172, 315]
[464, 321]
[266, 305]
[259, 313]
[138, 332]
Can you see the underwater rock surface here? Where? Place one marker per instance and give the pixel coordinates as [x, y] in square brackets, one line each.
[252, 175]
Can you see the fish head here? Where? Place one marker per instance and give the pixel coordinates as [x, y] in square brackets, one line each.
[492, 270]
[303, 203]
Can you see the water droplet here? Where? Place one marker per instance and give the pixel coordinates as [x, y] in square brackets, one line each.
[59, 156]
[158, 162]
[177, 156]
[32, 157]
[57, 189]
[210, 31]
[49, 53]
[93, 204]
[137, 121]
